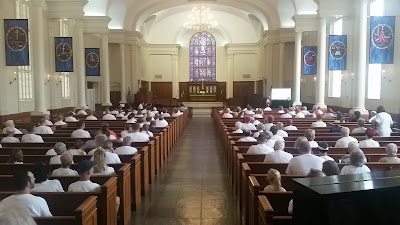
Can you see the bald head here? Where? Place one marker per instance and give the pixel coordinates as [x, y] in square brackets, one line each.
[345, 132]
[279, 145]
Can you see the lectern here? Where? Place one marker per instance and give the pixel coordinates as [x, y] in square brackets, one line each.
[361, 199]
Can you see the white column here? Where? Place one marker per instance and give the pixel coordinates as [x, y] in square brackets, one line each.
[297, 69]
[123, 73]
[320, 88]
[106, 70]
[281, 63]
[135, 69]
[229, 85]
[80, 71]
[38, 61]
[175, 80]
[361, 59]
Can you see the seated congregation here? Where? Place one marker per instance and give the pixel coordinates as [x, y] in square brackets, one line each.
[85, 167]
[265, 149]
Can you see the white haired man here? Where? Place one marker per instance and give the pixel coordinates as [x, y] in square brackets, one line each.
[126, 148]
[302, 164]
[261, 147]
[10, 123]
[279, 155]
[10, 136]
[344, 141]
[391, 150]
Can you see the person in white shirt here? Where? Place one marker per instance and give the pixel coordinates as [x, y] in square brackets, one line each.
[292, 111]
[59, 148]
[99, 140]
[261, 147]
[280, 131]
[15, 215]
[82, 112]
[80, 132]
[318, 111]
[126, 148]
[165, 113]
[161, 122]
[269, 122]
[10, 123]
[70, 118]
[175, 112]
[274, 180]
[369, 142]
[279, 155]
[391, 150]
[329, 114]
[111, 157]
[247, 137]
[260, 129]
[41, 172]
[238, 128]
[46, 117]
[91, 116]
[289, 125]
[226, 114]
[85, 170]
[101, 167]
[304, 110]
[275, 136]
[300, 115]
[60, 121]
[301, 165]
[352, 147]
[357, 164]
[280, 110]
[114, 112]
[384, 122]
[131, 118]
[146, 131]
[372, 116]
[267, 108]
[259, 114]
[24, 182]
[79, 148]
[346, 138]
[109, 116]
[31, 136]
[286, 115]
[65, 170]
[323, 148]
[127, 130]
[310, 135]
[10, 136]
[319, 122]
[43, 128]
[248, 125]
[360, 129]
[136, 135]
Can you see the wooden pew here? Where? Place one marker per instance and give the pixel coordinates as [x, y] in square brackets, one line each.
[106, 206]
[272, 208]
[76, 208]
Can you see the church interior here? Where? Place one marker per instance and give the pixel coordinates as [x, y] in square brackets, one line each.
[221, 86]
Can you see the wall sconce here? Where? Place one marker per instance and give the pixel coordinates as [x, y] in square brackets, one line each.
[47, 79]
[14, 78]
[315, 79]
[301, 80]
[59, 81]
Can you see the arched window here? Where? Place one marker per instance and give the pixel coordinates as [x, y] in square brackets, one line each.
[202, 57]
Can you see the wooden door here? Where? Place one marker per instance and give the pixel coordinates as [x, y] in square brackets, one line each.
[243, 92]
[221, 92]
[183, 92]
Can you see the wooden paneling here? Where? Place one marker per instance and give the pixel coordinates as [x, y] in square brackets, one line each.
[183, 91]
[221, 94]
[115, 97]
[260, 87]
[162, 93]
[243, 92]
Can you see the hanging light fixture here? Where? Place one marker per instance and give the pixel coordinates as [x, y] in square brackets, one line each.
[200, 19]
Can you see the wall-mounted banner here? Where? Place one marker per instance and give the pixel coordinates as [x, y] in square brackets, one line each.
[381, 50]
[92, 61]
[17, 42]
[337, 52]
[64, 54]
[310, 60]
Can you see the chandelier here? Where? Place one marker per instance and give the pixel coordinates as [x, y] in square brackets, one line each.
[200, 20]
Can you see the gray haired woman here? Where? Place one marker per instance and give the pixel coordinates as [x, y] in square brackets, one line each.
[357, 164]
[391, 150]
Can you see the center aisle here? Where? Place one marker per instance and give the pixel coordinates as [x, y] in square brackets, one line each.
[194, 189]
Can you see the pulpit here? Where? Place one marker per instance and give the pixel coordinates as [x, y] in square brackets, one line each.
[202, 91]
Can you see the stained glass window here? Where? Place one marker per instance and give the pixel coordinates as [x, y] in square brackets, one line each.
[202, 57]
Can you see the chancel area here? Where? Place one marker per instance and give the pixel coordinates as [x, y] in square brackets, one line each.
[239, 112]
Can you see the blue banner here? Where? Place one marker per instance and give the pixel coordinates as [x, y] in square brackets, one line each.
[310, 60]
[17, 42]
[382, 31]
[64, 54]
[337, 58]
[92, 61]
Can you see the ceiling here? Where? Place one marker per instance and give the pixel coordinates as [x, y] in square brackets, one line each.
[235, 17]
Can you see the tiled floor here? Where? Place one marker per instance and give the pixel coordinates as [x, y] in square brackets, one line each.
[194, 187]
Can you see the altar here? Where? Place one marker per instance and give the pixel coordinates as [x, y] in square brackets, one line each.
[202, 91]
